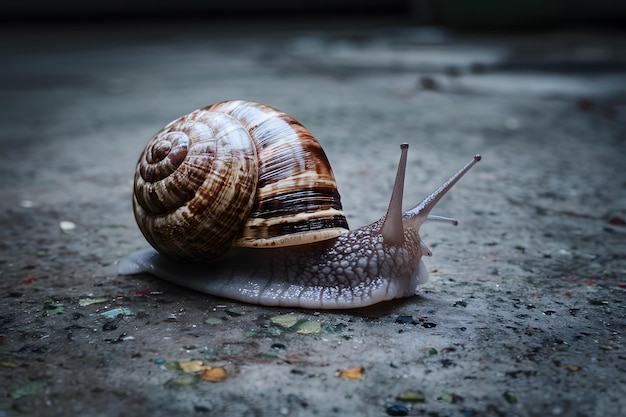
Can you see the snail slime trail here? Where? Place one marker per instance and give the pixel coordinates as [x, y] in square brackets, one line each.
[238, 200]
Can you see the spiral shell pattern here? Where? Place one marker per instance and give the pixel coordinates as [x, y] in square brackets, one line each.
[234, 173]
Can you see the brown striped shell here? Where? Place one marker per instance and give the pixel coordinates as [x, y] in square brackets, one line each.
[235, 173]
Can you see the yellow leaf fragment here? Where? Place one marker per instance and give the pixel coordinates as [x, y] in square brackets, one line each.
[191, 366]
[8, 364]
[213, 374]
[413, 396]
[285, 320]
[83, 302]
[355, 373]
[202, 371]
[308, 327]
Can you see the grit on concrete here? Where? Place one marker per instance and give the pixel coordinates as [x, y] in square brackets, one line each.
[523, 314]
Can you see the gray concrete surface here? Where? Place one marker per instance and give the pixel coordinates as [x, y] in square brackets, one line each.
[524, 311]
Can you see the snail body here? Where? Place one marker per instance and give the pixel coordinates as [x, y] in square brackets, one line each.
[281, 238]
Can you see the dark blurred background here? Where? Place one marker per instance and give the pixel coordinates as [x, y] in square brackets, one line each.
[457, 14]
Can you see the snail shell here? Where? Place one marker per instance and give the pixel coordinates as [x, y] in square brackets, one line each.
[234, 174]
[246, 194]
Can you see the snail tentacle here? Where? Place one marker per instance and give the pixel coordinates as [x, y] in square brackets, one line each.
[392, 229]
[419, 214]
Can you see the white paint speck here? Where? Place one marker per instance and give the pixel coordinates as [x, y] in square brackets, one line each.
[67, 226]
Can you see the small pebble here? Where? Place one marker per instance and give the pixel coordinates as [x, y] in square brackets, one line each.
[67, 227]
[203, 408]
[109, 325]
[397, 410]
[428, 84]
[170, 319]
[510, 397]
[468, 412]
[404, 319]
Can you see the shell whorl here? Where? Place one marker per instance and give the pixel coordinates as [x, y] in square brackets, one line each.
[234, 173]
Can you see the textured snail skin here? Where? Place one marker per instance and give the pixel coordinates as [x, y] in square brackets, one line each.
[354, 270]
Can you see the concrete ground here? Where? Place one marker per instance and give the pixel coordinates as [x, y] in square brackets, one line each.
[524, 314]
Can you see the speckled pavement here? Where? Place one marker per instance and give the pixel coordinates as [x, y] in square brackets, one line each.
[524, 311]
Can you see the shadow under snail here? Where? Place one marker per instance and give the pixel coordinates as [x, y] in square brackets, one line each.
[239, 201]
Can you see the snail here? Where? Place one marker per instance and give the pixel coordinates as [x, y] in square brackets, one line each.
[239, 201]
